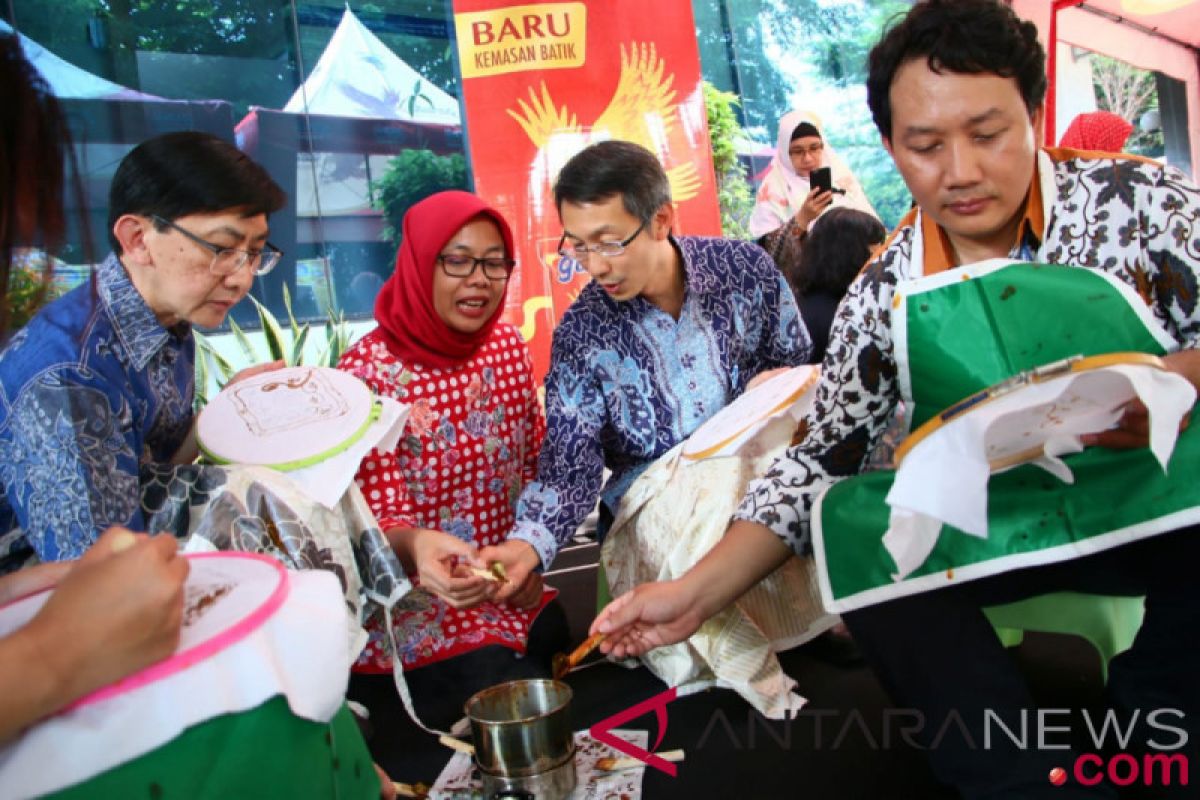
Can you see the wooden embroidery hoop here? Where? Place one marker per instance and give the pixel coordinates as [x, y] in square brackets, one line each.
[1047, 372]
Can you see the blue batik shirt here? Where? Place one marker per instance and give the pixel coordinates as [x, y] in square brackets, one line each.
[91, 390]
[628, 382]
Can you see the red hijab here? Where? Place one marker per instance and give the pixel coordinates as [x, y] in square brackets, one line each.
[404, 307]
[1097, 130]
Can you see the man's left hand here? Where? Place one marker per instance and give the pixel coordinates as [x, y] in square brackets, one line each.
[1133, 429]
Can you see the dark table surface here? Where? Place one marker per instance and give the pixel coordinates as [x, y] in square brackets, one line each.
[844, 744]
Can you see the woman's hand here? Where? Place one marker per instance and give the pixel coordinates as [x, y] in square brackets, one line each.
[816, 202]
[519, 560]
[442, 562]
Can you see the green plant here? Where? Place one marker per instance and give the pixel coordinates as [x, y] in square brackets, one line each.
[412, 176]
[29, 287]
[210, 362]
[733, 190]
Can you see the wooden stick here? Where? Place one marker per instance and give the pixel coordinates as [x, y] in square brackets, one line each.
[487, 575]
[494, 572]
[457, 744]
[406, 790]
[611, 764]
[561, 664]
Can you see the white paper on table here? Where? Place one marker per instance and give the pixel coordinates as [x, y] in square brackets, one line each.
[459, 780]
[943, 479]
[327, 481]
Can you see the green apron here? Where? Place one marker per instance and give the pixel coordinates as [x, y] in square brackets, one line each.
[266, 752]
[962, 331]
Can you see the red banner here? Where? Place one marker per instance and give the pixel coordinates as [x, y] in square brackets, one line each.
[541, 82]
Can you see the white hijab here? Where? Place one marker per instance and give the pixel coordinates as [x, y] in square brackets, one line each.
[783, 190]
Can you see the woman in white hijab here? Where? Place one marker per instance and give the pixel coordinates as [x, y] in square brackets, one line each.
[786, 196]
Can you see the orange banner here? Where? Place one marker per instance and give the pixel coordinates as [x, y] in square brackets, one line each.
[542, 81]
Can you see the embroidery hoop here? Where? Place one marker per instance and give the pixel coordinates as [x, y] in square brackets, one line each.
[286, 419]
[739, 420]
[1043, 374]
[257, 587]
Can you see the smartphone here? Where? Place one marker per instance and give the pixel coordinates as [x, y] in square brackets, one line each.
[821, 178]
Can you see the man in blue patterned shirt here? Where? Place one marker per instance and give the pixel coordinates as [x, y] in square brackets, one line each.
[669, 331]
[96, 391]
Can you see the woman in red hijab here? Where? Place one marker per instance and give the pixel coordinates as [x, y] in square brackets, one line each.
[1097, 130]
[470, 444]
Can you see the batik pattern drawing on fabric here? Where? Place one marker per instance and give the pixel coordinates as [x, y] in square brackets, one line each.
[628, 382]
[1137, 221]
[93, 388]
[254, 509]
[259, 408]
[470, 445]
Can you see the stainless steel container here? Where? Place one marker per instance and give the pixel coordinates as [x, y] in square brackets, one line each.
[554, 784]
[522, 730]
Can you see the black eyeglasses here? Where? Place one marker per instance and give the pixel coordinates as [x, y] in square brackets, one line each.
[579, 252]
[228, 260]
[495, 268]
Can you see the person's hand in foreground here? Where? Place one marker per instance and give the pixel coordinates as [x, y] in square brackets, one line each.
[520, 560]
[443, 564]
[658, 614]
[117, 610]
[650, 616]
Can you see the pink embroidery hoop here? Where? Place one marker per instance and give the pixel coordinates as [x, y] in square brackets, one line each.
[230, 635]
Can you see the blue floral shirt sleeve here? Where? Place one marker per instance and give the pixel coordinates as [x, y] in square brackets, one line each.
[571, 462]
[628, 382]
[90, 391]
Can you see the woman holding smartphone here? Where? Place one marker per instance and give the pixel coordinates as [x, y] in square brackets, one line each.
[806, 178]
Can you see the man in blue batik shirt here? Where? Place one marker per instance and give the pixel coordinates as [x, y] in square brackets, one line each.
[669, 331]
[96, 391]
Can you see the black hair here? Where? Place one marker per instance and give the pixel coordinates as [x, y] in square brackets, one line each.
[963, 36]
[612, 168]
[836, 248]
[804, 129]
[189, 172]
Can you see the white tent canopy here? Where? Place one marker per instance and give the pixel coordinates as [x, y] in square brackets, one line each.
[358, 76]
[69, 81]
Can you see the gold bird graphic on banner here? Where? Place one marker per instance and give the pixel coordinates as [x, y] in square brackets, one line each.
[642, 110]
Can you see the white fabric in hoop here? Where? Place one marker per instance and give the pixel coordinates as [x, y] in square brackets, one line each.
[300, 652]
[944, 478]
[315, 422]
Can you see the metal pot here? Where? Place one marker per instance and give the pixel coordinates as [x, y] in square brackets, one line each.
[556, 784]
[522, 728]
